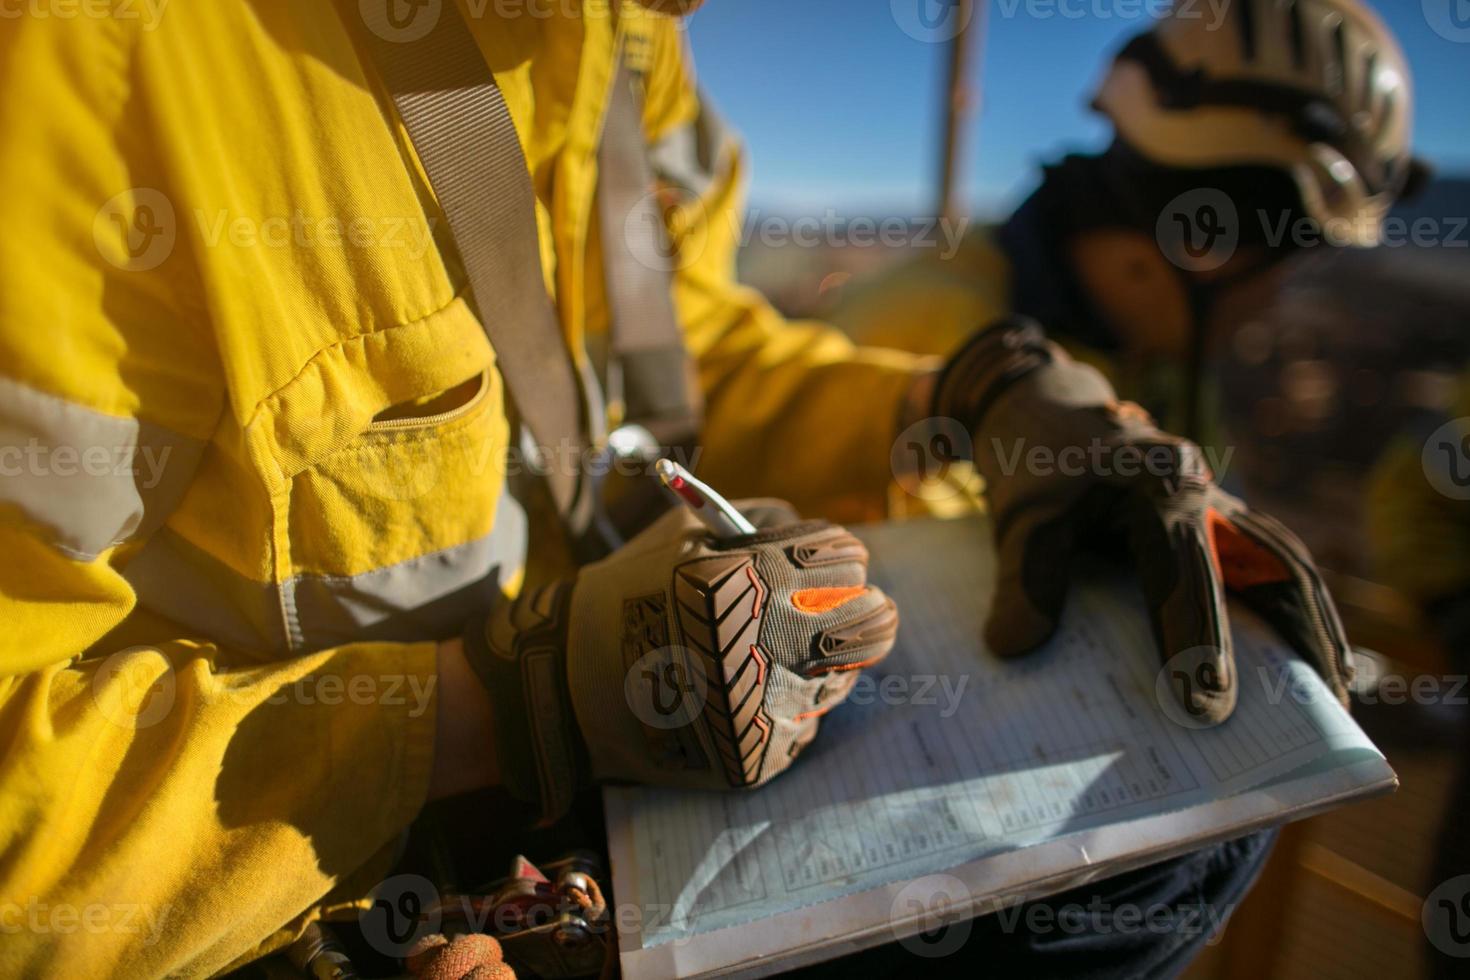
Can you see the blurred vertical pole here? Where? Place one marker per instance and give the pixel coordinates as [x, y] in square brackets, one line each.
[958, 98]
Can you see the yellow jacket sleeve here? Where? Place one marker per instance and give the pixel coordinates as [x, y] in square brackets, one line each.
[793, 409]
[160, 797]
[931, 302]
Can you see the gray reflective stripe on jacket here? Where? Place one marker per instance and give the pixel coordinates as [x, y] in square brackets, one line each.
[428, 597]
[93, 480]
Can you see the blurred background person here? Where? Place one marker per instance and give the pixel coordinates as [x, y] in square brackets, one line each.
[1236, 198]
[1237, 141]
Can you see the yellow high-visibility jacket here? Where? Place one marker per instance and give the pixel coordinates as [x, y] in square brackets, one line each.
[254, 446]
[928, 303]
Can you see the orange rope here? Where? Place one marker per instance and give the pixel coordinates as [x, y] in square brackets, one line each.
[474, 956]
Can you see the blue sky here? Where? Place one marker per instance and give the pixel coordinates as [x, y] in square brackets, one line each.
[839, 104]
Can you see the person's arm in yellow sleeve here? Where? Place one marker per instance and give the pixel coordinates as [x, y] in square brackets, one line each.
[793, 409]
[165, 803]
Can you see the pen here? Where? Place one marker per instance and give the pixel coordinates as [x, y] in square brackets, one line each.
[717, 513]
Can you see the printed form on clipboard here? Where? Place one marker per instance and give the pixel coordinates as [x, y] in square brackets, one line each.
[953, 783]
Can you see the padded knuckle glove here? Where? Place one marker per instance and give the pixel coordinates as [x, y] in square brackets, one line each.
[1067, 466]
[681, 660]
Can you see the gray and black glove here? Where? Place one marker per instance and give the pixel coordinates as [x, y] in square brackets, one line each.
[1067, 465]
[681, 660]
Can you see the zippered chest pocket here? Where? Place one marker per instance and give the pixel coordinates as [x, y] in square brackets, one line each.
[397, 526]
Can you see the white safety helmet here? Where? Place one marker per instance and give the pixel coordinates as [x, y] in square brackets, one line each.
[1317, 88]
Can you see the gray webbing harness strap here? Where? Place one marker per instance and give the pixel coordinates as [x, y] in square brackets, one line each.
[463, 134]
[650, 369]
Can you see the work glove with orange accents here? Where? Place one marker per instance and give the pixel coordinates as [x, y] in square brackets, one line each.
[1068, 467]
[681, 660]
